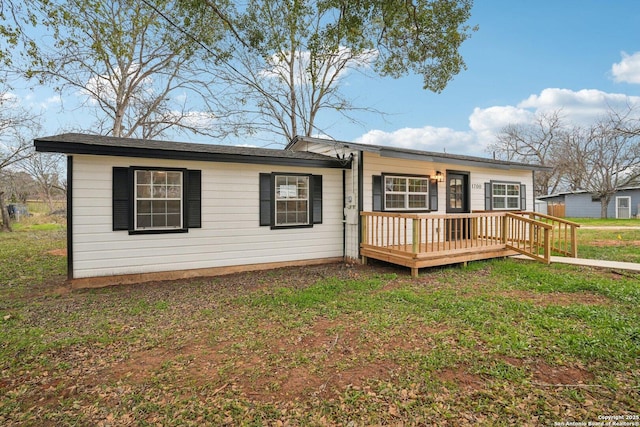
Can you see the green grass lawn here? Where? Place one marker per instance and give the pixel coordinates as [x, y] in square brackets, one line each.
[609, 239]
[498, 343]
[609, 222]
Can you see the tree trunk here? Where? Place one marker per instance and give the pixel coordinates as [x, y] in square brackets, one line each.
[604, 207]
[6, 221]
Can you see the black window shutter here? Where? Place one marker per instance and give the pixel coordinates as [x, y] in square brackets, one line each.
[194, 199]
[265, 199]
[523, 197]
[317, 198]
[377, 193]
[487, 196]
[120, 198]
[433, 195]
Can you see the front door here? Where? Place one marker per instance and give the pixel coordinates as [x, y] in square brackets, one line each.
[623, 207]
[457, 203]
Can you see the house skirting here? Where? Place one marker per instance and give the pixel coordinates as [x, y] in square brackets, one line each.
[127, 279]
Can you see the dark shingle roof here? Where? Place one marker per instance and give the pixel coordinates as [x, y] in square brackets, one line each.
[406, 153]
[75, 143]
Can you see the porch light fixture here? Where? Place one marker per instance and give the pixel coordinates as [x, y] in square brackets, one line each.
[439, 176]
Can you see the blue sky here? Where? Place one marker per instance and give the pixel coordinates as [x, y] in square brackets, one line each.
[526, 57]
[580, 56]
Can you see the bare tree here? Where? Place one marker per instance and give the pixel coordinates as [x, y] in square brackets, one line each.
[608, 159]
[14, 147]
[138, 76]
[540, 142]
[290, 58]
[17, 185]
[46, 170]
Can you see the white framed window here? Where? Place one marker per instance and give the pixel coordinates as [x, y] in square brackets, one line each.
[505, 195]
[158, 203]
[292, 207]
[406, 192]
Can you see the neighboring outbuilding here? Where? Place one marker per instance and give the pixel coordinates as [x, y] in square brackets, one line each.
[144, 210]
[624, 204]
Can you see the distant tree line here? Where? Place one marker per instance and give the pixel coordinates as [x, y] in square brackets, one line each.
[599, 157]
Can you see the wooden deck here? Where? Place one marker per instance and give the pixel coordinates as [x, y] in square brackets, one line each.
[421, 240]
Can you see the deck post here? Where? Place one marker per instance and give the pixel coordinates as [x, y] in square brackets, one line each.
[416, 236]
[365, 236]
[414, 272]
[574, 242]
[547, 246]
[505, 228]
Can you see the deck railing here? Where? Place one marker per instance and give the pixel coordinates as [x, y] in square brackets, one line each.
[424, 235]
[563, 236]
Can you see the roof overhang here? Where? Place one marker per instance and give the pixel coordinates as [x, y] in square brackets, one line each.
[298, 143]
[73, 143]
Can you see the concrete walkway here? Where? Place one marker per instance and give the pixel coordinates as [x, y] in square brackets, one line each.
[614, 265]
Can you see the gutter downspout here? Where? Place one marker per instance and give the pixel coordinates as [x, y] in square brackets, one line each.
[70, 217]
[360, 197]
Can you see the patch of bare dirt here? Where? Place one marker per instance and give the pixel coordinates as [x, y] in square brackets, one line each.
[58, 252]
[560, 375]
[463, 379]
[557, 298]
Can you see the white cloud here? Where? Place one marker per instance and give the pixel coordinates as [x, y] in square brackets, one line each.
[628, 69]
[580, 107]
[8, 97]
[427, 138]
[52, 101]
[196, 119]
[485, 123]
[337, 65]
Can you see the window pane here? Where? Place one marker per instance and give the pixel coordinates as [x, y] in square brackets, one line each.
[173, 220]
[513, 190]
[159, 191]
[144, 206]
[417, 201]
[158, 206]
[513, 203]
[418, 185]
[143, 177]
[159, 220]
[173, 191]
[143, 191]
[499, 190]
[499, 203]
[159, 177]
[144, 221]
[394, 201]
[395, 183]
[173, 206]
[174, 178]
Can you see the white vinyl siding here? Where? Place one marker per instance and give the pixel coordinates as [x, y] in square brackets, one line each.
[230, 233]
[478, 176]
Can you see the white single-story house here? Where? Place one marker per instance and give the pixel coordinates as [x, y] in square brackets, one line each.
[144, 210]
[624, 204]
